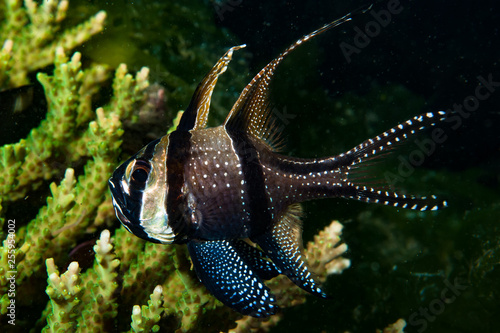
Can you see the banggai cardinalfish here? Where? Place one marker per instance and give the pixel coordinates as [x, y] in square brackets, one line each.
[216, 188]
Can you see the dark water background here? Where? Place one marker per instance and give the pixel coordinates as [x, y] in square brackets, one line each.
[428, 57]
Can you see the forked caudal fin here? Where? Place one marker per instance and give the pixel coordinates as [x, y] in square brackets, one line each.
[367, 152]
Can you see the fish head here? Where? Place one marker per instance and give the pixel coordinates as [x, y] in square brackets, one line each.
[139, 189]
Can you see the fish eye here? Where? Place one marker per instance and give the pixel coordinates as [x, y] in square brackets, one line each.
[139, 174]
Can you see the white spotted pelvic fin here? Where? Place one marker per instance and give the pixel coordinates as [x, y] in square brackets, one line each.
[367, 152]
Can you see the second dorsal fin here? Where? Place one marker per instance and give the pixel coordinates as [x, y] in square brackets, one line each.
[196, 114]
[251, 112]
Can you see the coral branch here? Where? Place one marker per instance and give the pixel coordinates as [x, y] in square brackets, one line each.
[100, 303]
[64, 292]
[73, 204]
[32, 33]
[145, 319]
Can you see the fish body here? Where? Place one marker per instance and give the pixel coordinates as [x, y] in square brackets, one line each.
[216, 188]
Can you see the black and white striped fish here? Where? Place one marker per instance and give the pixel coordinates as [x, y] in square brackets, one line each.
[215, 188]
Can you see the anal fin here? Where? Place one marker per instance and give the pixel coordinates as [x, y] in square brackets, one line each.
[256, 259]
[283, 246]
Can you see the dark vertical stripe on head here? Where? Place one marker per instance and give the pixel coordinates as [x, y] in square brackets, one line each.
[136, 199]
[148, 156]
[150, 150]
[253, 175]
[179, 146]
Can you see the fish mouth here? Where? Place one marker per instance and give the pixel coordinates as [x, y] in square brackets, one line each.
[118, 201]
[128, 212]
[124, 214]
[119, 213]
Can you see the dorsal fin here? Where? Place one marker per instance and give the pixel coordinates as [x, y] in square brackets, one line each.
[196, 114]
[251, 113]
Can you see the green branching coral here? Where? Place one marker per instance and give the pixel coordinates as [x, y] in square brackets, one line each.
[90, 300]
[145, 318]
[101, 303]
[73, 204]
[64, 291]
[71, 132]
[27, 162]
[32, 32]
